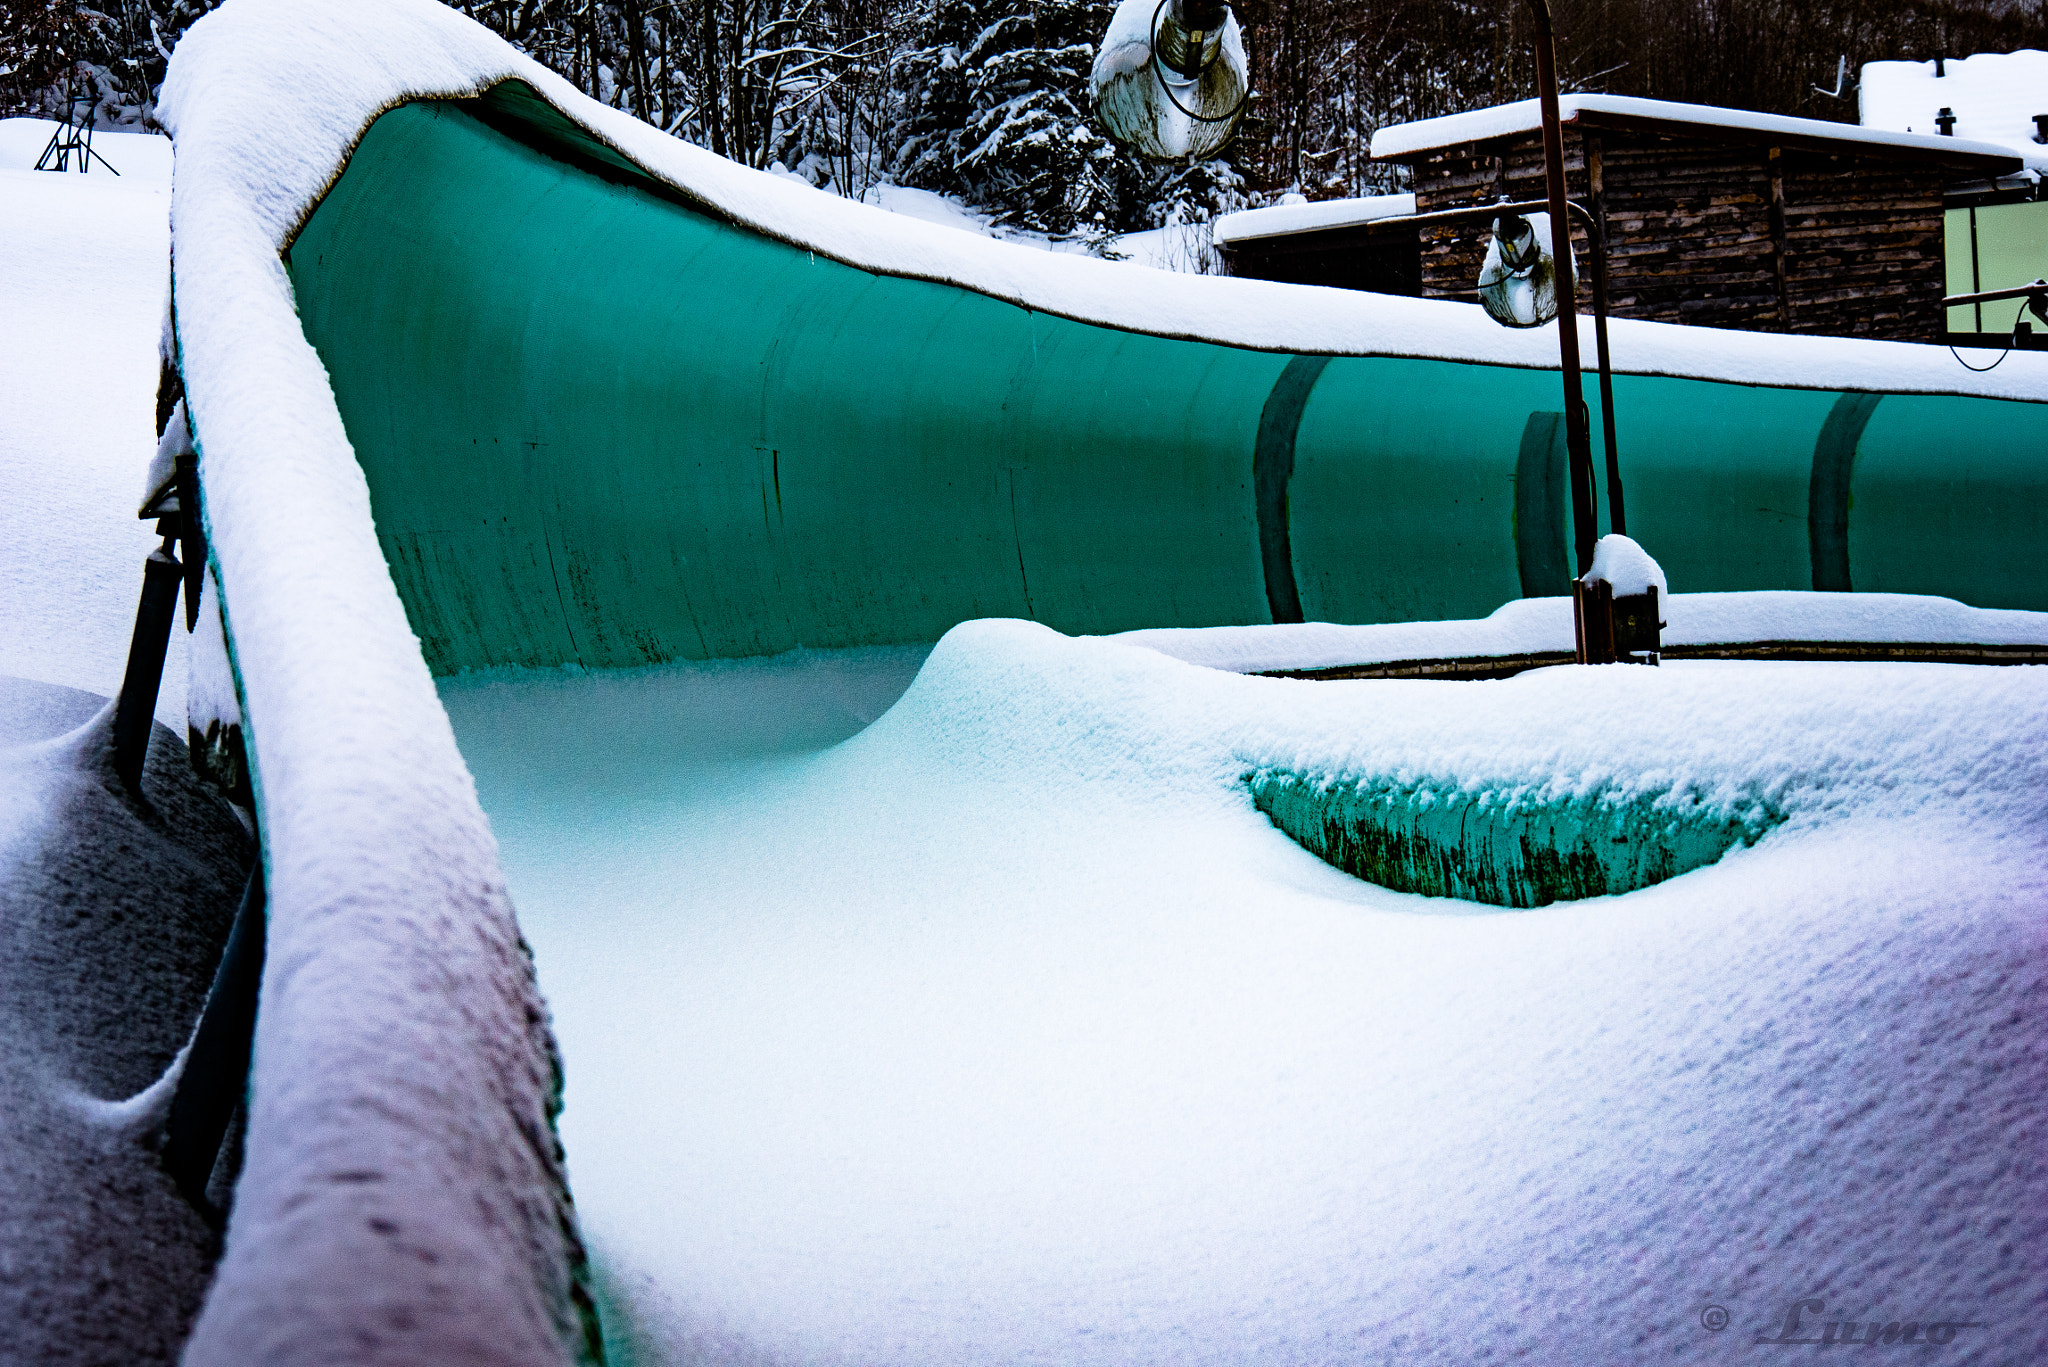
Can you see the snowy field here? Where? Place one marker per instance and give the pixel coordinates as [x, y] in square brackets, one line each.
[1007, 1031]
[84, 267]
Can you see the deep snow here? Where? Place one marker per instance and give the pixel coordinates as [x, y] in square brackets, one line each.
[112, 914]
[1007, 1030]
[136, 158]
[111, 910]
[86, 268]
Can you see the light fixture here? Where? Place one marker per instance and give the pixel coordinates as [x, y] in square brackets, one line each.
[1170, 81]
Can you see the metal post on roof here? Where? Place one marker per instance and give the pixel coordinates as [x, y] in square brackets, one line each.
[1577, 436]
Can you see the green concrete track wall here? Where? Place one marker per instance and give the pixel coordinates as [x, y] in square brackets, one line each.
[1508, 850]
[601, 424]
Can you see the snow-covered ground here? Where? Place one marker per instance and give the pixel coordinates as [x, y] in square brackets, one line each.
[112, 911]
[1008, 1031]
[84, 269]
[112, 915]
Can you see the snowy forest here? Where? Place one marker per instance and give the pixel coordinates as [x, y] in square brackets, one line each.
[986, 100]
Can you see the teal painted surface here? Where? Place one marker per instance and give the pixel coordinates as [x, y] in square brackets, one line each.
[1972, 520]
[602, 426]
[1505, 850]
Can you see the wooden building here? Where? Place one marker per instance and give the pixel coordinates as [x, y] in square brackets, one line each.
[1353, 244]
[1717, 217]
[1997, 227]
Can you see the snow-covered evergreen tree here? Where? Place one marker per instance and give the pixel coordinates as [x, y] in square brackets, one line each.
[932, 102]
[1186, 201]
[996, 111]
[1029, 147]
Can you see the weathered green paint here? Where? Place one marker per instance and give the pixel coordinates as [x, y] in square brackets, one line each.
[1508, 850]
[604, 426]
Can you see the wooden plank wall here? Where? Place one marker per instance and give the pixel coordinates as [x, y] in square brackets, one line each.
[1691, 236]
[1382, 260]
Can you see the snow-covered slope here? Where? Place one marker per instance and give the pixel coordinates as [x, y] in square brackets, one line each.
[112, 914]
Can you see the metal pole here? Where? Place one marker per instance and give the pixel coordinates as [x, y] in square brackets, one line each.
[135, 713]
[1578, 444]
[216, 1077]
[1617, 517]
[1596, 240]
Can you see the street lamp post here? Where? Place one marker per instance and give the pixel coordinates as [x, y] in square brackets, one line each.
[1578, 441]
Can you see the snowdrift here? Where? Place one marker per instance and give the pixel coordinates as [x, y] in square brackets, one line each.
[482, 373]
[1007, 1031]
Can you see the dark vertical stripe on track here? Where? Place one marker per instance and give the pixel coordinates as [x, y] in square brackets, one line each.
[1540, 494]
[1272, 468]
[1827, 499]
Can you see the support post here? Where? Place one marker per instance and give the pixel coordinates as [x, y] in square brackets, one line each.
[1593, 621]
[215, 1079]
[1781, 246]
[136, 711]
[1578, 443]
[1596, 229]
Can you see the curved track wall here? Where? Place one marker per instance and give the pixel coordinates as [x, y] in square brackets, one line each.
[603, 425]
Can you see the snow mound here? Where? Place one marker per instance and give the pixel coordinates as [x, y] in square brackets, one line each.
[1008, 1030]
[1627, 567]
[115, 911]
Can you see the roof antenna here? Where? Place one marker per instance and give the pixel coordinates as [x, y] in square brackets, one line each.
[1841, 78]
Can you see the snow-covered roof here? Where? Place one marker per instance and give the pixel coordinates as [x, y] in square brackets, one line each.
[1403, 141]
[1278, 219]
[1995, 96]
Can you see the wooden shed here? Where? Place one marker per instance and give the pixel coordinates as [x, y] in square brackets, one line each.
[1352, 244]
[1717, 217]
